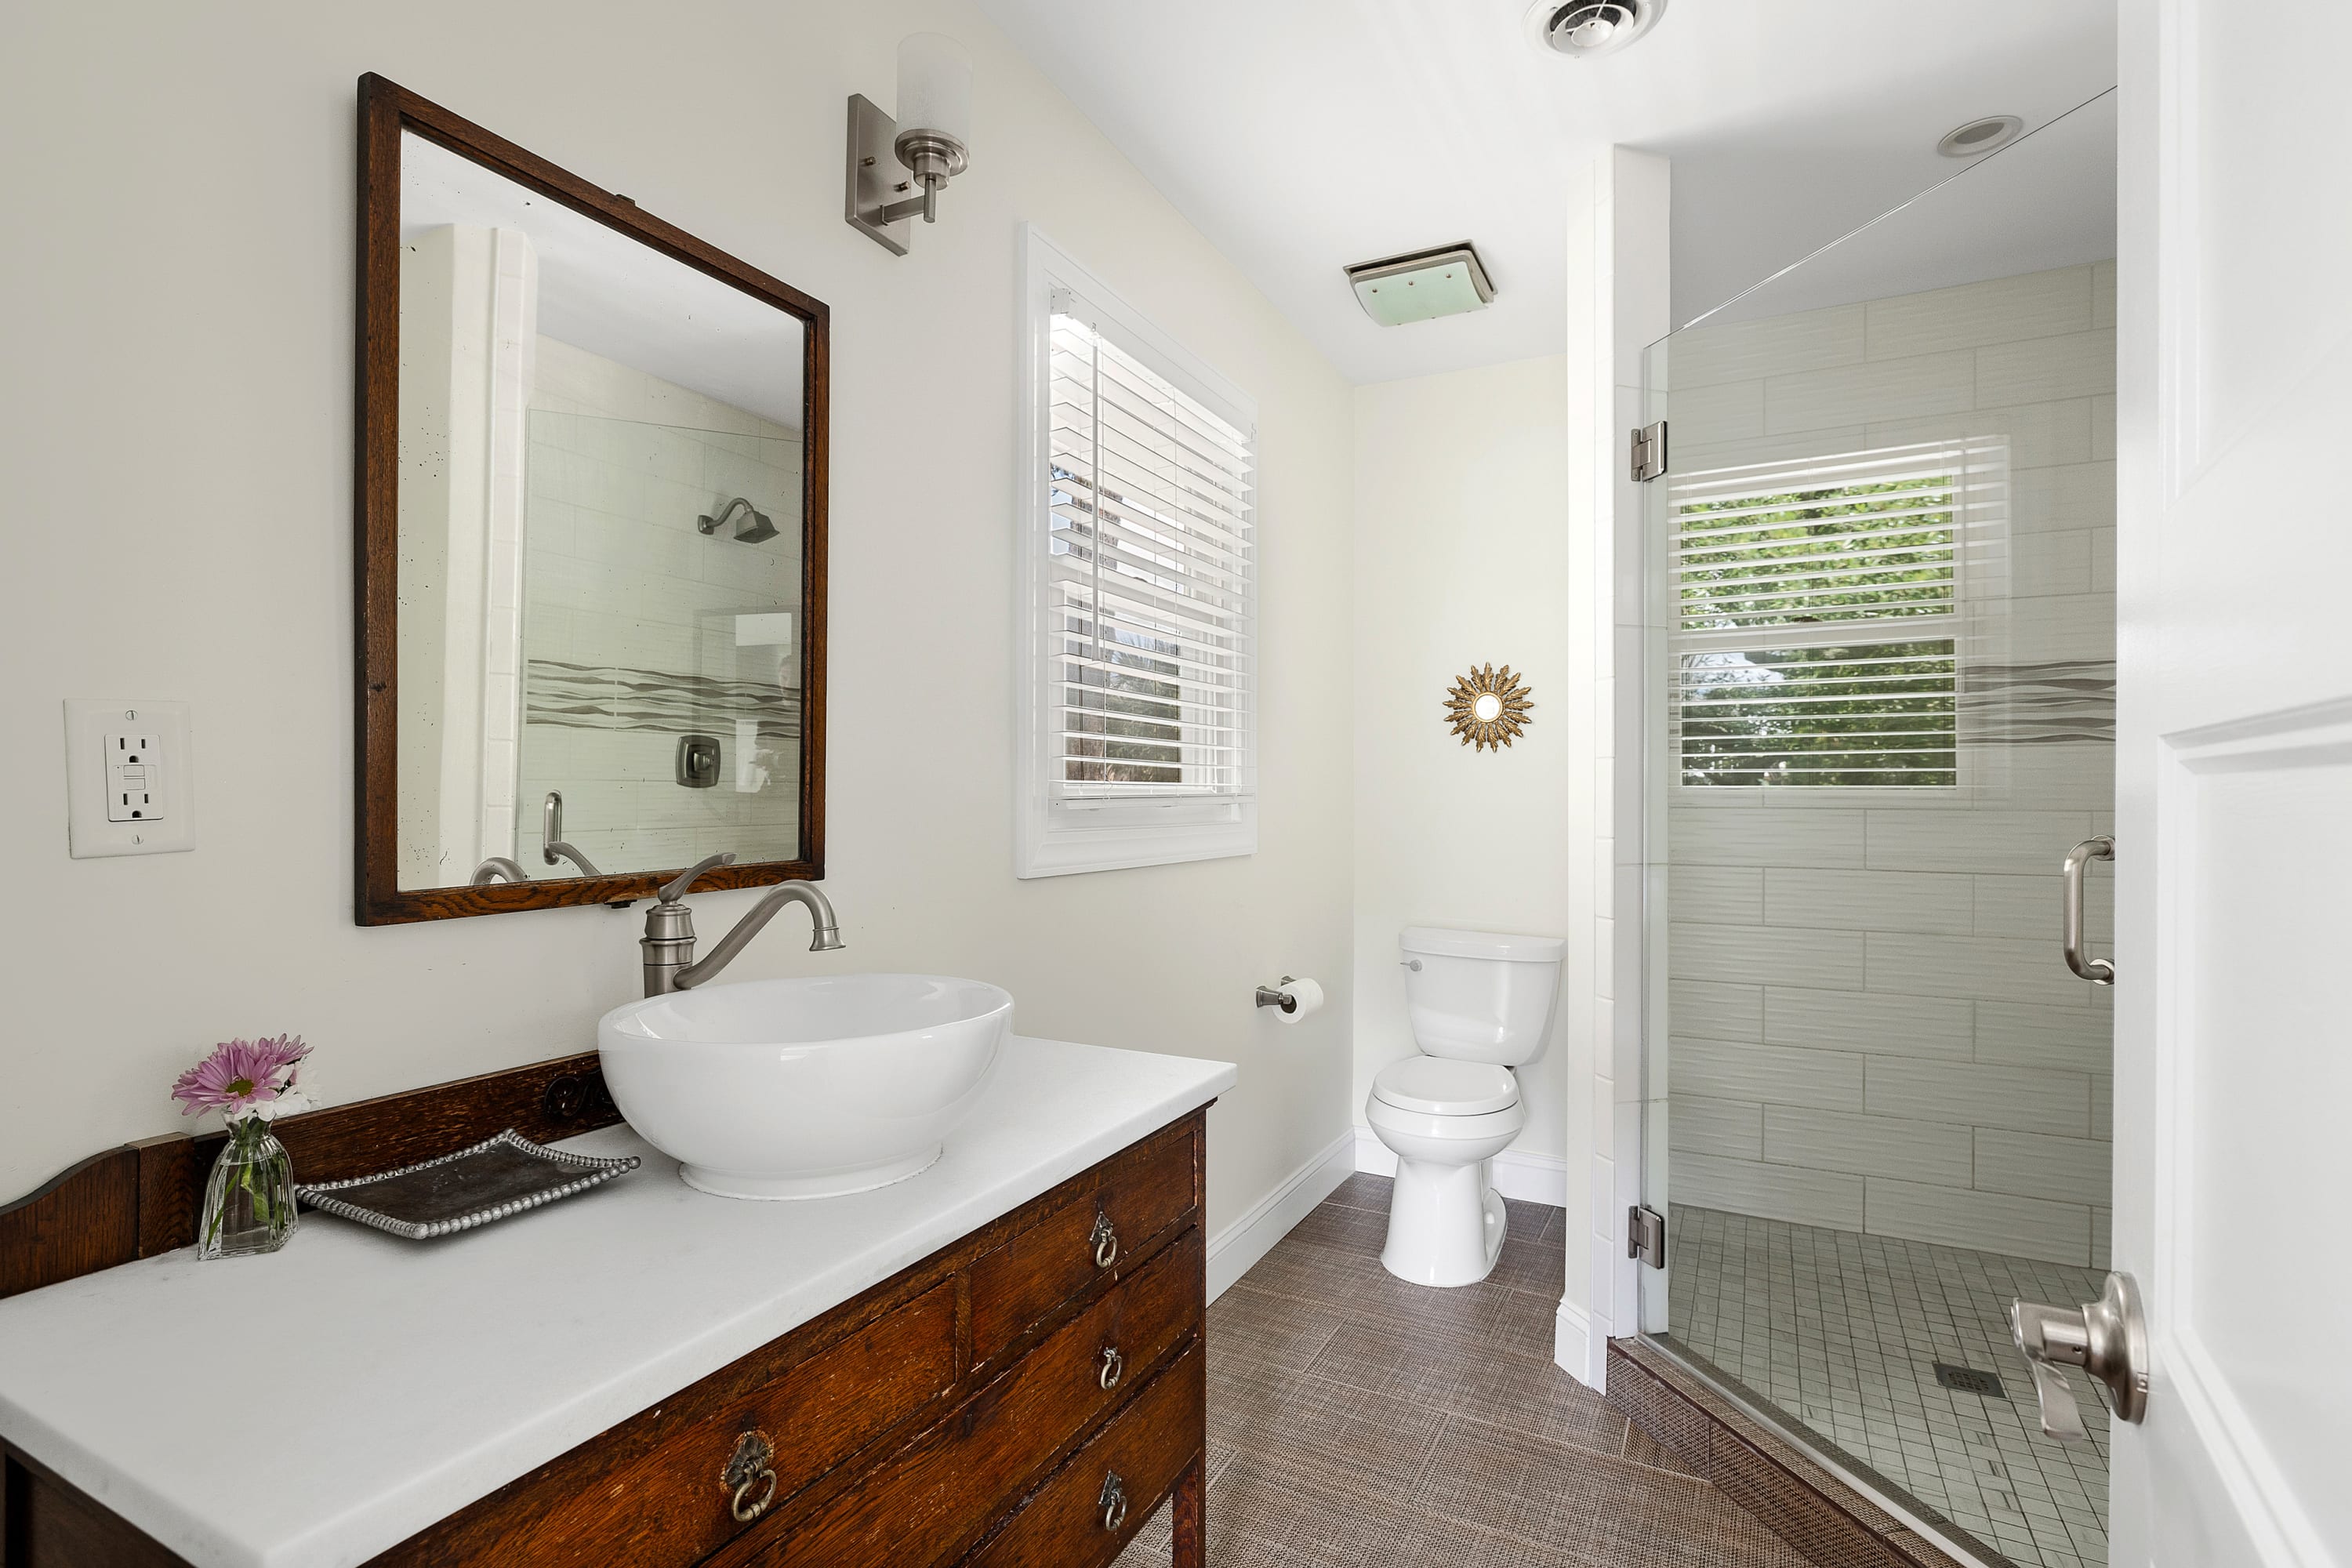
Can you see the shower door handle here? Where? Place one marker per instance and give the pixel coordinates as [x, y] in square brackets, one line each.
[2097, 971]
[2106, 1338]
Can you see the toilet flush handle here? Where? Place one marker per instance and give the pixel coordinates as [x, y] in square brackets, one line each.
[1412, 964]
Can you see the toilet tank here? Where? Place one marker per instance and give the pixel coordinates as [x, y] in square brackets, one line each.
[1480, 996]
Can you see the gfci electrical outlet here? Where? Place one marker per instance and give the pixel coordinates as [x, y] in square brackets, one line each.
[130, 778]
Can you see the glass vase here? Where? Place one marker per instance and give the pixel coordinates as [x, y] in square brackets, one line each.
[250, 1201]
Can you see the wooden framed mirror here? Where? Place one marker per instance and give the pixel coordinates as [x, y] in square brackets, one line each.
[590, 506]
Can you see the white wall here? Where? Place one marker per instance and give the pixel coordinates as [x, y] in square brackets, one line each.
[181, 327]
[1461, 559]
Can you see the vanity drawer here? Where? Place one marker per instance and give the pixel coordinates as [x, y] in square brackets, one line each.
[674, 1504]
[1137, 1197]
[1075, 1520]
[949, 1483]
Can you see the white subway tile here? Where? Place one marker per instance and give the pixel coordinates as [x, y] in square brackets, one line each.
[2103, 293]
[1868, 1021]
[1733, 411]
[2016, 842]
[1912, 388]
[2070, 495]
[2081, 364]
[1745, 350]
[2028, 1100]
[2037, 434]
[1867, 1145]
[2049, 563]
[1758, 955]
[2070, 1039]
[1716, 1011]
[2027, 907]
[1867, 900]
[2037, 1166]
[2102, 1237]
[1998, 311]
[1827, 1198]
[1776, 1075]
[2102, 1105]
[2102, 426]
[1717, 895]
[1833, 837]
[1987, 1221]
[1988, 968]
[1698, 1125]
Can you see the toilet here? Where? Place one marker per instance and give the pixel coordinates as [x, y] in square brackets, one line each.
[1481, 1005]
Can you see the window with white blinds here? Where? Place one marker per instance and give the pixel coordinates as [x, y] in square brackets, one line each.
[1140, 621]
[1816, 619]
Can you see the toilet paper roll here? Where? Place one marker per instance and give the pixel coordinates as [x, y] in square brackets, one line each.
[1308, 995]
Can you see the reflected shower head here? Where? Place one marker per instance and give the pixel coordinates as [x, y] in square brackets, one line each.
[751, 528]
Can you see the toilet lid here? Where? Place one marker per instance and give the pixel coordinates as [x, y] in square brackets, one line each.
[1442, 1088]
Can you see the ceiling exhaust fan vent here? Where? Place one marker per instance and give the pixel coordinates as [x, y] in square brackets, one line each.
[1583, 29]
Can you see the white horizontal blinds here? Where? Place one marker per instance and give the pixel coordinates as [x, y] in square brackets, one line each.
[1150, 574]
[1816, 619]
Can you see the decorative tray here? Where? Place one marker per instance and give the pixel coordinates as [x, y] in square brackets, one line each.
[497, 1177]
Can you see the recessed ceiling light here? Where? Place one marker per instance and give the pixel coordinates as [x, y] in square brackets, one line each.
[1978, 137]
[1583, 29]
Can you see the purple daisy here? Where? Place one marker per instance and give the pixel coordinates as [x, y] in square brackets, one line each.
[239, 1075]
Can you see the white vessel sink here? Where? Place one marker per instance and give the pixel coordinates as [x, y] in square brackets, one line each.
[804, 1089]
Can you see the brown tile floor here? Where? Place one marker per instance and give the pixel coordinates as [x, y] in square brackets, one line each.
[1356, 1421]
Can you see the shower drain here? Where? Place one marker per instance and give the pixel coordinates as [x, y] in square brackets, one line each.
[1968, 1380]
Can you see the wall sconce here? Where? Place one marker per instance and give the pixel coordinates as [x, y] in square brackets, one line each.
[888, 163]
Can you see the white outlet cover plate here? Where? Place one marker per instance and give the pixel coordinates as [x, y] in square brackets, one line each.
[88, 720]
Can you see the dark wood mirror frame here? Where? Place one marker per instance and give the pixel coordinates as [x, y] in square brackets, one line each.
[386, 111]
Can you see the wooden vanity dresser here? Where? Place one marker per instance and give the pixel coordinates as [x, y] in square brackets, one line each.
[1026, 1394]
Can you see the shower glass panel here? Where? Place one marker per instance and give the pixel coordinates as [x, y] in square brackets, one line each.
[661, 660]
[1879, 656]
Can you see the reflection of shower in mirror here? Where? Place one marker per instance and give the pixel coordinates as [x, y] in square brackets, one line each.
[751, 528]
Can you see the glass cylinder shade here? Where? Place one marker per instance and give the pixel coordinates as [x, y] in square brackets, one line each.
[935, 87]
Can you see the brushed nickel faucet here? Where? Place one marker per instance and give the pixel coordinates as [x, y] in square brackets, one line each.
[669, 944]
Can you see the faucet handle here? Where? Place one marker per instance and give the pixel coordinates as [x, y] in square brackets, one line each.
[675, 888]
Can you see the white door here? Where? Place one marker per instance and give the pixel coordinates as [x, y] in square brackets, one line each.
[2233, 1039]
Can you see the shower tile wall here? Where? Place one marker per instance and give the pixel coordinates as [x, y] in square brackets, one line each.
[629, 631]
[1872, 1029]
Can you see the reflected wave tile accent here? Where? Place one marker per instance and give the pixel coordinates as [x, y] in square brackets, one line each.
[618, 697]
[2047, 700]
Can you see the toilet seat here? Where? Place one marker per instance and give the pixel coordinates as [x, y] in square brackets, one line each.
[1435, 1086]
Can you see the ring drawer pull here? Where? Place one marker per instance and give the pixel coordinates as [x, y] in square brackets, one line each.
[746, 1512]
[752, 1465]
[1113, 1501]
[1114, 1365]
[1106, 1241]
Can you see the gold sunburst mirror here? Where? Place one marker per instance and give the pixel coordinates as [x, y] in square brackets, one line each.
[1488, 708]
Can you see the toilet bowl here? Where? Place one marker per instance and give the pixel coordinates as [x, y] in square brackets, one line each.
[1481, 1005]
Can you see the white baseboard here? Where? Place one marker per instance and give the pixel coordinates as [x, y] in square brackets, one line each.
[1235, 1249]
[1531, 1178]
[1571, 1342]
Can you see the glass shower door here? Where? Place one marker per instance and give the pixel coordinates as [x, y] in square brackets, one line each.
[1880, 651]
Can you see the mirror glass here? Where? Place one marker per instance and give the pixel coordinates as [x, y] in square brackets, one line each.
[602, 586]
[1488, 708]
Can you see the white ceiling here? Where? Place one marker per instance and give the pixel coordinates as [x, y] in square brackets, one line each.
[602, 290]
[1302, 136]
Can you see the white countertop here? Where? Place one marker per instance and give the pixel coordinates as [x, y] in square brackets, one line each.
[317, 1405]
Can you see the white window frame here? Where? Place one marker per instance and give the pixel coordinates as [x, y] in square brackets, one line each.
[1980, 509]
[1053, 836]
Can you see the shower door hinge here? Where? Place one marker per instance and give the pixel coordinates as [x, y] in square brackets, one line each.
[1645, 1236]
[1649, 452]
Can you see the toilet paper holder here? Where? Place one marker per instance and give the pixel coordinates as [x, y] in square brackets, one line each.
[1267, 996]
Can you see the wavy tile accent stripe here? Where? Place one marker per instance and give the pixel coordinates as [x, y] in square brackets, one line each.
[618, 697]
[2046, 701]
